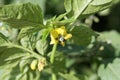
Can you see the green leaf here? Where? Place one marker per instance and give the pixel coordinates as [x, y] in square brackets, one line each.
[41, 3]
[28, 31]
[110, 71]
[82, 35]
[21, 75]
[113, 38]
[59, 63]
[41, 46]
[3, 39]
[71, 76]
[104, 49]
[23, 63]
[22, 15]
[25, 42]
[81, 8]
[96, 6]
[100, 2]
[10, 54]
[60, 17]
[15, 74]
[68, 6]
[76, 7]
[34, 75]
[70, 62]
[31, 76]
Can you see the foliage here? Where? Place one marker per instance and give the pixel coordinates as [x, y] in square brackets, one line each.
[109, 69]
[30, 56]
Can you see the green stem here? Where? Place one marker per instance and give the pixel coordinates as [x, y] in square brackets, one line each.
[53, 76]
[53, 54]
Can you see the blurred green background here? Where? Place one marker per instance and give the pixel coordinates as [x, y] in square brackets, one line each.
[107, 20]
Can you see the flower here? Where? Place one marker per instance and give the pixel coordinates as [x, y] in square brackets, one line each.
[59, 35]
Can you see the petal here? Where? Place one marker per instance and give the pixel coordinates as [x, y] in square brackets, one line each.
[54, 33]
[54, 36]
[53, 41]
[68, 36]
[61, 30]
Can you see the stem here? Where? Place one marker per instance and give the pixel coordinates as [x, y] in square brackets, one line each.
[53, 76]
[53, 54]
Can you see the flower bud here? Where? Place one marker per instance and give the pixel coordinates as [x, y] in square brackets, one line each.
[33, 65]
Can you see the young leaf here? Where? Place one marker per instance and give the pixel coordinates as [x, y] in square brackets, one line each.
[82, 35]
[110, 71]
[22, 15]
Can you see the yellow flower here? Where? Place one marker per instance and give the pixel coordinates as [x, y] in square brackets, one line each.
[59, 35]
